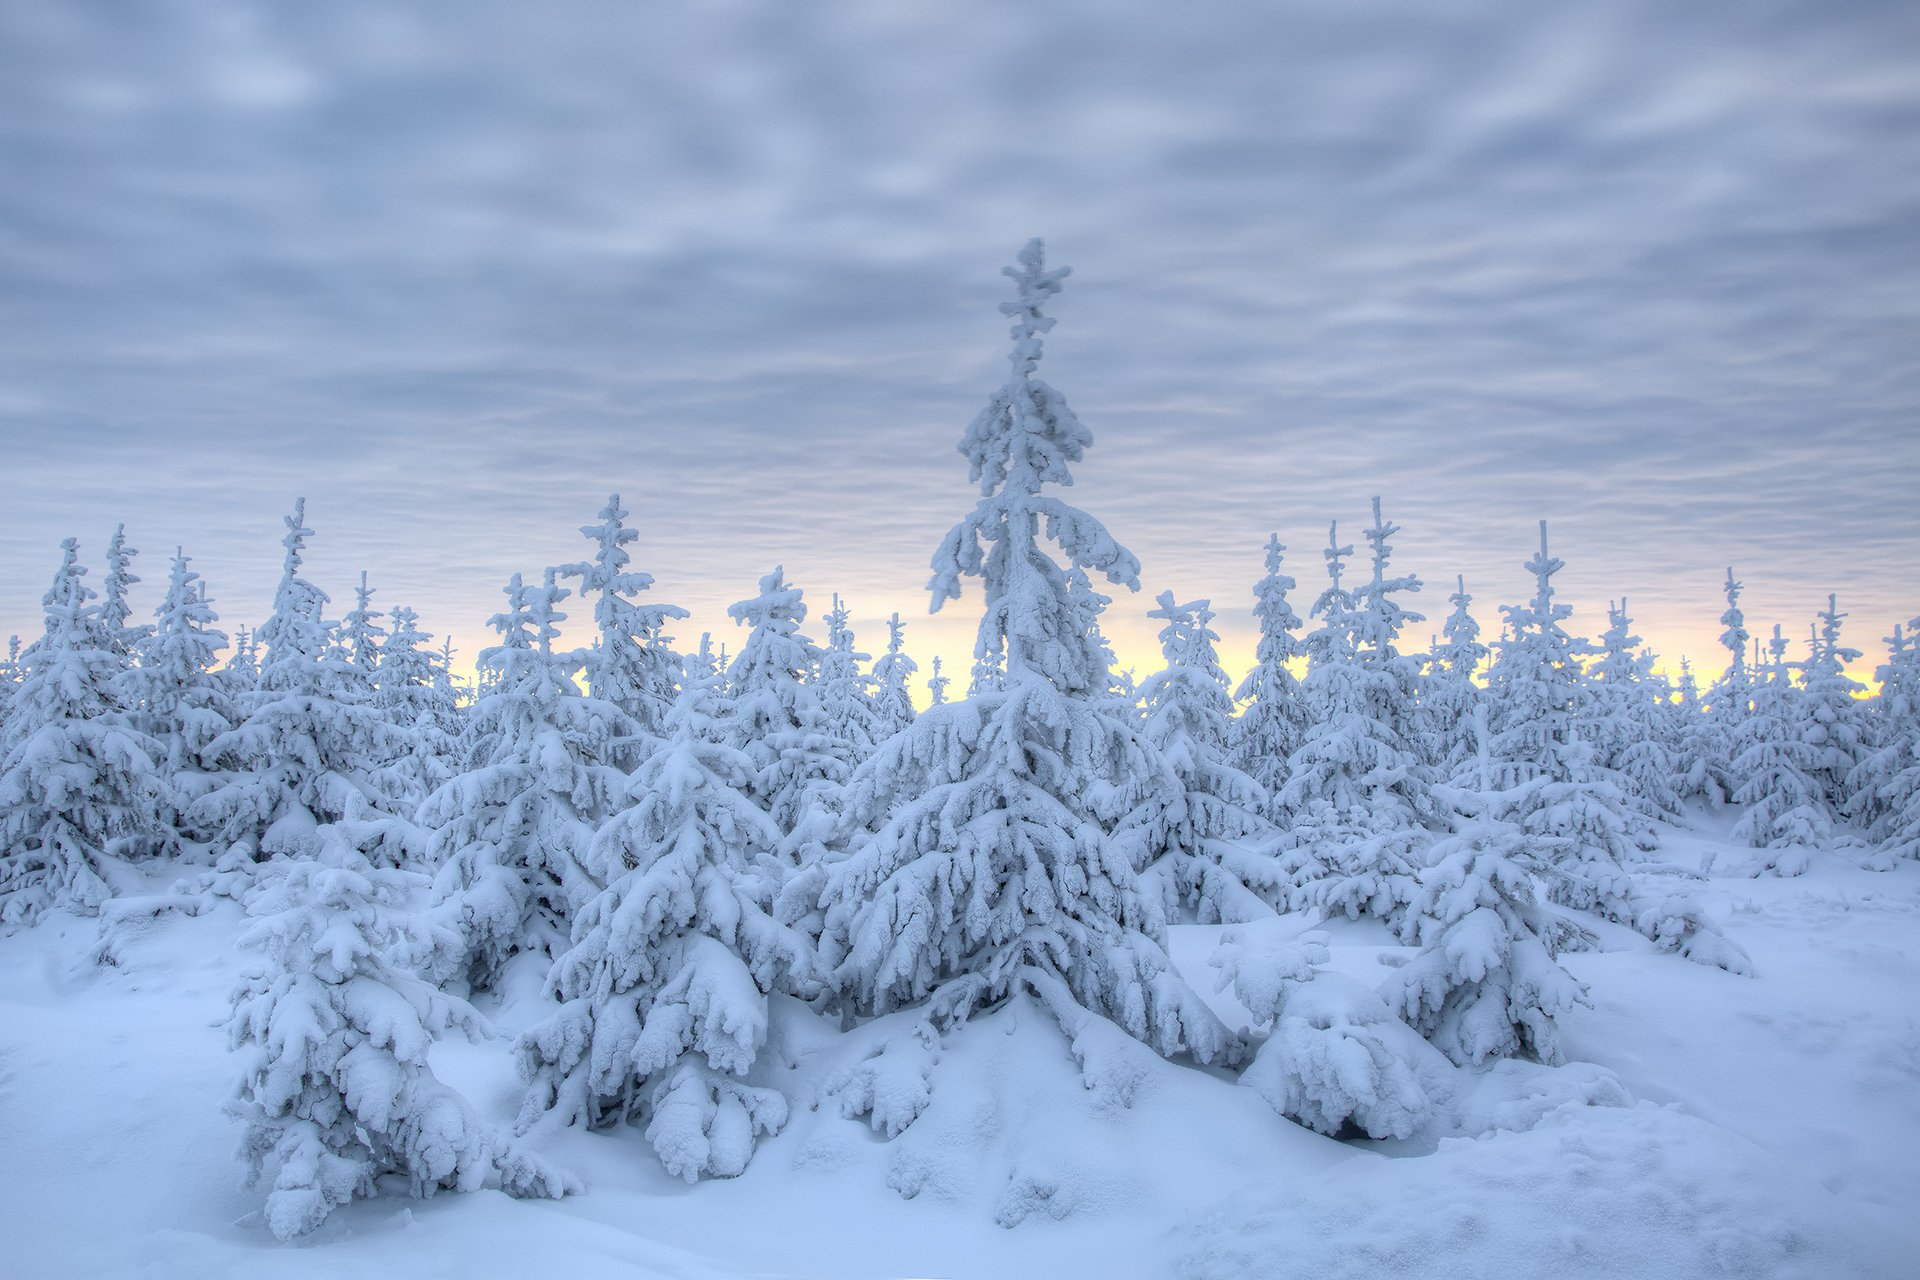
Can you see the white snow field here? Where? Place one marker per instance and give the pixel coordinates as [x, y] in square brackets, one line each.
[1706, 1124]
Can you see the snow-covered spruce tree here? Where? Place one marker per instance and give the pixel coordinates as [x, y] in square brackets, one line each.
[846, 701]
[1449, 694]
[1696, 749]
[79, 790]
[241, 675]
[1786, 803]
[418, 701]
[1274, 722]
[936, 685]
[665, 987]
[1884, 788]
[1334, 1058]
[1563, 798]
[1485, 983]
[1833, 723]
[334, 1027]
[116, 615]
[512, 831]
[632, 663]
[1355, 806]
[773, 715]
[1190, 843]
[178, 699]
[306, 753]
[356, 648]
[706, 662]
[893, 701]
[1539, 699]
[1731, 697]
[980, 862]
[1626, 723]
[989, 672]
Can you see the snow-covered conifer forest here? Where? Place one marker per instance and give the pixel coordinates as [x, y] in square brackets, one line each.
[1514, 951]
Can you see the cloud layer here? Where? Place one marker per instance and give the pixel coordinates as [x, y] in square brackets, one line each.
[1651, 271]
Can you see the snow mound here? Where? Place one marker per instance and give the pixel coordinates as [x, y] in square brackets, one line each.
[1646, 1192]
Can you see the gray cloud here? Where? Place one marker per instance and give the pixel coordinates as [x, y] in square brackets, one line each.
[1652, 271]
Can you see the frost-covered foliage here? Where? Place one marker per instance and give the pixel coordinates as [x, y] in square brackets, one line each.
[1785, 802]
[1274, 722]
[847, 708]
[1562, 792]
[774, 716]
[1190, 842]
[419, 701]
[307, 752]
[123, 639]
[241, 675]
[333, 1027]
[79, 787]
[1696, 747]
[1335, 1058]
[1832, 723]
[936, 685]
[1356, 803]
[1625, 719]
[982, 856]
[1449, 693]
[1731, 697]
[892, 698]
[1572, 805]
[1884, 788]
[632, 663]
[358, 646]
[665, 988]
[1485, 984]
[511, 832]
[174, 694]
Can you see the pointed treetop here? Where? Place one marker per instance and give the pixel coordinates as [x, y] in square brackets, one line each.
[778, 607]
[542, 611]
[1033, 285]
[937, 684]
[1460, 628]
[1378, 538]
[1186, 640]
[1543, 566]
[1735, 637]
[68, 590]
[295, 540]
[1334, 598]
[512, 622]
[114, 610]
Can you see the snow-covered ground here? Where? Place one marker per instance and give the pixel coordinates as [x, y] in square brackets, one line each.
[1770, 1127]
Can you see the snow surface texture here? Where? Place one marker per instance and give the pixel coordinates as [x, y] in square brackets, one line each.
[1756, 1126]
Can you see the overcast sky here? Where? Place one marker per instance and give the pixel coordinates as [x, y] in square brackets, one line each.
[453, 272]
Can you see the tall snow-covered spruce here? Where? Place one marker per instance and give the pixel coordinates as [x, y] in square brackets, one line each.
[1355, 807]
[1192, 844]
[79, 791]
[311, 742]
[1274, 723]
[511, 833]
[983, 858]
[631, 664]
